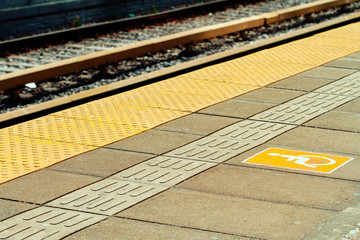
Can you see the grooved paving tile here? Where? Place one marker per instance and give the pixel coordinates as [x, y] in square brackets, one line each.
[302, 108]
[252, 131]
[165, 171]
[348, 86]
[46, 223]
[10, 208]
[107, 197]
[211, 149]
[230, 141]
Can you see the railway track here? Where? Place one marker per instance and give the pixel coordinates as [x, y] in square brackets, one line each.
[114, 48]
[162, 27]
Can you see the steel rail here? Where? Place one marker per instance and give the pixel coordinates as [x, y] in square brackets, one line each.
[21, 77]
[40, 109]
[50, 70]
[104, 27]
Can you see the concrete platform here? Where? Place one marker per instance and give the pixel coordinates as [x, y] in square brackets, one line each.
[200, 197]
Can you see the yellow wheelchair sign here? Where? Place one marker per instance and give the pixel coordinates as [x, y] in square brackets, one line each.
[308, 161]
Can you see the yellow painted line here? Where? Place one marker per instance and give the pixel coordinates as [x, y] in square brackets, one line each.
[36, 144]
[307, 161]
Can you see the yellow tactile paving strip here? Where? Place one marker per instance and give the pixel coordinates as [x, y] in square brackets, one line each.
[39, 143]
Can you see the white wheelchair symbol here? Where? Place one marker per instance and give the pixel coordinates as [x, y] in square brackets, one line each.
[303, 159]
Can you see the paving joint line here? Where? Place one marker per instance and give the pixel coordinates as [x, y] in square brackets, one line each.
[284, 171]
[219, 115]
[291, 89]
[256, 199]
[75, 173]
[103, 220]
[259, 101]
[127, 150]
[331, 129]
[174, 131]
[185, 227]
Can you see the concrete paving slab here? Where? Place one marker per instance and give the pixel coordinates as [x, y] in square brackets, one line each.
[352, 106]
[354, 55]
[118, 228]
[197, 124]
[320, 140]
[45, 185]
[46, 223]
[270, 95]
[237, 108]
[274, 186]
[337, 120]
[345, 226]
[327, 73]
[349, 171]
[351, 63]
[301, 83]
[11, 208]
[245, 217]
[101, 162]
[154, 142]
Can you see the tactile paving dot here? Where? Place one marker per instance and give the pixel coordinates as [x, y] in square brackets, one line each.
[150, 97]
[21, 155]
[46, 223]
[252, 70]
[209, 88]
[303, 108]
[123, 113]
[162, 170]
[107, 197]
